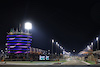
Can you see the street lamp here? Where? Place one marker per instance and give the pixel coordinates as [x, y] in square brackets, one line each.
[55, 53]
[92, 45]
[56, 46]
[6, 44]
[97, 39]
[56, 43]
[58, 49]
[28, 26]
[48, 51]
[52, 47]
[61, 49]
[73, 50]
[1, 50]
[88, 47]
[6, 49]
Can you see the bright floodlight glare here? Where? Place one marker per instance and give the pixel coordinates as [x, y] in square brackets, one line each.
[1, 50]
[48, 50]
[97, 38]
[6, 44]
[52, 40]
[60, 47]
[28, 25]
[5, 48]
[69, 52]
[91, 43]
[73, 50]
[56, 43]
[88, 47]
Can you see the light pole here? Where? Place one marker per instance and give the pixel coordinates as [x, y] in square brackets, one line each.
[63, 53]
[6, 49]
[60, 49]
[74, 52]
[48, 52]
[56, 48]
[92, 45]
[28, 26]
[88, 47]
[52, 47]
[2, 54]
[97, 39]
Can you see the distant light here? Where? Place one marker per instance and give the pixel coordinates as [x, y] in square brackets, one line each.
[97, 38]
[52, 40]
[6, 44]
[73, 50]
[28, 25]
[60, 46]
[1, 50]
[88, 47]
[5, 48]
[91, 43]
[48, 50]
[48, 53]
[56, 43]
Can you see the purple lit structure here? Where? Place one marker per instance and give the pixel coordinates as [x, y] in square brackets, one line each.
[18, 42]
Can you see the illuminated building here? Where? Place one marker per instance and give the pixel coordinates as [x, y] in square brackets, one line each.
[18, 42]
[19, 46]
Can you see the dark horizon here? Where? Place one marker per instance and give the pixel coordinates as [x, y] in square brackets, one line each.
[74, 24]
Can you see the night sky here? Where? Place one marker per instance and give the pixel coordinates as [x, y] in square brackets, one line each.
[74, 24]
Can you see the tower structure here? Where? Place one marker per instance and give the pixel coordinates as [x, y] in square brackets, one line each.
[18, 42]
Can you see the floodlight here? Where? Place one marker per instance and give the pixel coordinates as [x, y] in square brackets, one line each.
[28, 25]
[91, 43]
[52, 40]
[56, 43]
[88, 47]
[97, 38]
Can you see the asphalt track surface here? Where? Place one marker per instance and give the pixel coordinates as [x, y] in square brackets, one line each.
[71, 62]
[49, 66]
